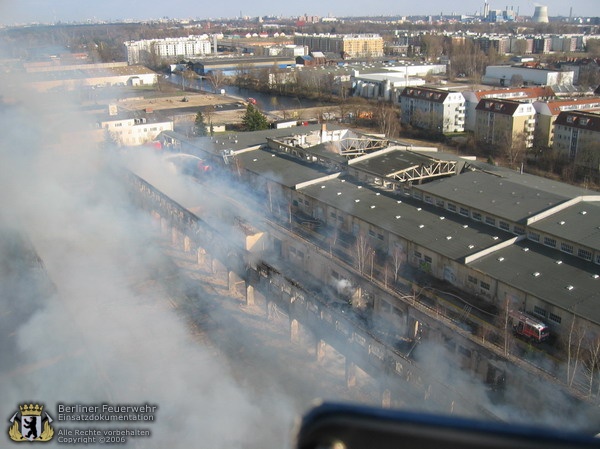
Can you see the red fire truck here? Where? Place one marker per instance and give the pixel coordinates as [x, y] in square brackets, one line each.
[529, 327]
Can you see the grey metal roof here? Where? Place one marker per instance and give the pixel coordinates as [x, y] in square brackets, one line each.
[503, 194]
[281, 169]
[516, 267]
[451, 236]
[579, 223]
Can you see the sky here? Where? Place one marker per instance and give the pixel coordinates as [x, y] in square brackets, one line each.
[28, 11]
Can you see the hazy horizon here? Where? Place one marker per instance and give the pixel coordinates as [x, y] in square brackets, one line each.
[39, 11]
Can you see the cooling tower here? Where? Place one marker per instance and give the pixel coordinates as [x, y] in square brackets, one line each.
[540, 15]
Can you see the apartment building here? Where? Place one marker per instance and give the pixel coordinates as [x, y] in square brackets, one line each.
[133, 128]
[473, 97]
[504, 123]
[347, 45]
[548, 111]
[577, 135]
[438, 110]
[169, 48]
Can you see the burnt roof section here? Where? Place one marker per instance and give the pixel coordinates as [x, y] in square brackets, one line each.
[580, 120]
[390, 162]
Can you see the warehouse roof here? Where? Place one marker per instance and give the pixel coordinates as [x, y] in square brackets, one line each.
[559, 279]
[445, 233]
[502, 193]
[579, 223]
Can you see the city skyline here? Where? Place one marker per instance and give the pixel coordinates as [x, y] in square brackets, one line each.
[38, 11]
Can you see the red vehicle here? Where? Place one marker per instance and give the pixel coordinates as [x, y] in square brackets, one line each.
[252, 100]
[529, 327]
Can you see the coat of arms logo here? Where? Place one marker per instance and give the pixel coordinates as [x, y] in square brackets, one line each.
[28, 424]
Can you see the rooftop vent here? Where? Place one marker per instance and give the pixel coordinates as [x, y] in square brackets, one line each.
[421, 226]
[500, 259]
[569, 287]
[442, 218]
[525, 249]
[558, 262]
[398, 216]
[471, 246]
[535, 273]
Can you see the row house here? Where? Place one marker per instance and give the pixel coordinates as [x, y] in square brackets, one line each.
[577, 134]
[473, 97]
[548, 111]
[505, 123]
[437, 110]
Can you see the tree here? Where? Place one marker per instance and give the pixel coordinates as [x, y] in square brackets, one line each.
[254, 120]
[200, 125]
[216, 78]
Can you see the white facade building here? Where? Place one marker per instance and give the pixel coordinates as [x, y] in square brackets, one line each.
[169, 48]
[501, 75]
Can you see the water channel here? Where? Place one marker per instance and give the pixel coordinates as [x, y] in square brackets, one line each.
[266, 102]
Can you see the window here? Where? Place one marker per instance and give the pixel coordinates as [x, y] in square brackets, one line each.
[472, 279]
[584, 254]
[476, 216]
[428, 199]
[537, 310]
[556, 318]
[549, 241]
[428, 259]
[335, 274]
[332, 215]
[371, 233]
[484, 285]
[534, 236]
[417, 254]
[439, 203]
[380, 236]
[491, 221]
[566, 247]
[464, 211]
[504, 225]
[451, 207]
[306, 202]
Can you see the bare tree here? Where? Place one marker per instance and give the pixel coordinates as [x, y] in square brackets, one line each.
[398, 259]
[363, 252]
[591, 363]
[387, 118]
[216, 78]
[575, 340]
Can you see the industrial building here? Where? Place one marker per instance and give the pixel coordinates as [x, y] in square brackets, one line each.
[511, 240]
